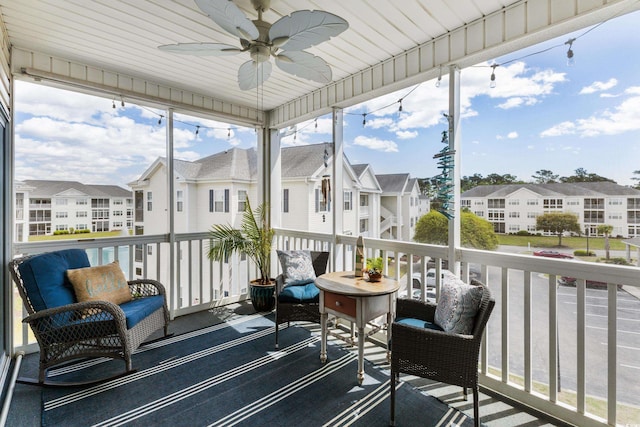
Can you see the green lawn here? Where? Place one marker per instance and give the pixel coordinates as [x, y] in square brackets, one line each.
[567, 242]
[76, 236]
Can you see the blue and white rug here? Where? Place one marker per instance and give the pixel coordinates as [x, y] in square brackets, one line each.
[229, 374]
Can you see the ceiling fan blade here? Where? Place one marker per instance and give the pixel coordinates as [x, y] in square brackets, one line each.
[201, 49]
[305, 28]
[252, 74]
[228, 16]
[305, 65]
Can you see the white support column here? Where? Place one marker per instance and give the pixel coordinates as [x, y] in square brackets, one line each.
[454, 145]
[337, 204]
[174, 286]
[275, 168]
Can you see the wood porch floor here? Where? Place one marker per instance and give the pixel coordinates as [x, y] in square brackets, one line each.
[26, 405]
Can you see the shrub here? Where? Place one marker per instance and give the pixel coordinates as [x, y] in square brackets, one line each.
[523, 233]
[582, 252]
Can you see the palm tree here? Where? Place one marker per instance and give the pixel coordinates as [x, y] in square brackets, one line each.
[606, 230]
[253, 239]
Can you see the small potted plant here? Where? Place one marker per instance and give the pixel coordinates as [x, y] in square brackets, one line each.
[254, 239]
[374, 269]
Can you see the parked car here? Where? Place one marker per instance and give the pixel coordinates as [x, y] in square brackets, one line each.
[431, 294]
[431, 278]
[553, 254]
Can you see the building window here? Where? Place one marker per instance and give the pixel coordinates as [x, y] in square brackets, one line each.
[61, 227]
[322, 204]
[495, 203]
[99, 203]
[81, 214]
[139, 206]
[62, 202]
[514, 214]
[532, 214]
[348, 200]
[615, 215]
[594, 203]
[465, 203]
[594, 217]
[242, 200]
[117, 201]
[117, 213]
[495, 215]
[62, 214]
[19, 206]
[117, 224]
[149, 250]
[364, 225]
[179, 200]
[532, 202]
[514, 228]
[82, 202]
[552, 204]
[149, 201]
[364, 200]
[219, 200]
[615, 202]
[633, 203]
[479, 213]
[514, 202]
[285, 200]
[81, 226]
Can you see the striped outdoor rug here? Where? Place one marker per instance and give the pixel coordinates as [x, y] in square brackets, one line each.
[229, 374]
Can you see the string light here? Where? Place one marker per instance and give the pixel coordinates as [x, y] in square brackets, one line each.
[160, 119]
[492, 83]
[364, 119]
[400, 107]
[197, 130]
[316, 123]
[113, 105]
[570, 60]
[439, 77]
[122, 101]
[229, 133]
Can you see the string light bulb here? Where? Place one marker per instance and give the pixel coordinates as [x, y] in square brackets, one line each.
[400, 107]
[197, 130]
[160, 119]
[229, 133]
[492, 82]
[364, 119]
[439, 78]
[113, 105]
[316, 123]
[570, 60]
[122, 101]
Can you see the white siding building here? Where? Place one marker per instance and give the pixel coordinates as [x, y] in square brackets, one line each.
[515, 207]
[44, 207]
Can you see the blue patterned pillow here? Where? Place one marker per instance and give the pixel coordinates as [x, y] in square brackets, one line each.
[297, 267]
[458, 306]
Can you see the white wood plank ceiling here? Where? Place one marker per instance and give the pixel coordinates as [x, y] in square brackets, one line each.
[414, 36]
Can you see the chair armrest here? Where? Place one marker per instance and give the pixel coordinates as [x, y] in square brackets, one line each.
[145, 288]
[415, 309]
[76, 311]
[439, 342]
[279, 283]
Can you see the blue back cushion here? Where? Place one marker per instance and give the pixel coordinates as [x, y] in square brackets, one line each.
[45, 278]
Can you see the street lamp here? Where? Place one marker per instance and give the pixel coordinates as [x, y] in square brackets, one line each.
[586, 230]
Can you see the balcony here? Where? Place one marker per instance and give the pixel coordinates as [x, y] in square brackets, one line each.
[564, 352]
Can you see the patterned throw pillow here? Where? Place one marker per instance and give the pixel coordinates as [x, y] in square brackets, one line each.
[458, 306]
[101, 283]
[297, 267]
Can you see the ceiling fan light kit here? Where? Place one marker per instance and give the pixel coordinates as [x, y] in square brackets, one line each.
[284, 40]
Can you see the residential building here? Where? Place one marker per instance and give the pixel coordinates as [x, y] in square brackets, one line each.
[44, 207]
[515, 207]
[399, 206]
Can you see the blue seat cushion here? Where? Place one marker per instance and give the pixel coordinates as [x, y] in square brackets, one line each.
[418, 323]
[45, 278]
[308, 293]
[138, 309]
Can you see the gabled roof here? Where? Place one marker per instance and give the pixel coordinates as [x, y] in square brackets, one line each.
[562, 189]
[393, 183]
[47, 188]
[235, 164]
[304, 160]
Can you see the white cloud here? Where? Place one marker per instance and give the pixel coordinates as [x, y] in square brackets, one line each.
[376, 144]
[598, 86]
[512, 135]
[404, 134]
[623, 118]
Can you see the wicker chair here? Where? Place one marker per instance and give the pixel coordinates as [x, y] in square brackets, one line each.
[435, 354]
[308, 311]
[78, 330]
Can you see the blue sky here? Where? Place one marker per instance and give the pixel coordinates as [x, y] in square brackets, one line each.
[542, 114]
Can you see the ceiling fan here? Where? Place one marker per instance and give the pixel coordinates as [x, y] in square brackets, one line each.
[285, 40]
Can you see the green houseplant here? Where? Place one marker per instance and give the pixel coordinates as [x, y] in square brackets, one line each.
[253, 238]
[374, 269]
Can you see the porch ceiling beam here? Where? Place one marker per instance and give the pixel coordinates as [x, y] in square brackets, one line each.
[61, 72]
[521, 24]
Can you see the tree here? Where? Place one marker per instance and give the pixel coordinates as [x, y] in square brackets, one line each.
[558, 223]
[637, 179]
[606, 230]
[581, 175]
[475, 232]
[545, 176]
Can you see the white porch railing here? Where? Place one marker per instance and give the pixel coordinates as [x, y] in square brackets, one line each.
[539, 347]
